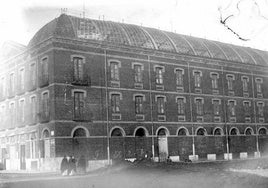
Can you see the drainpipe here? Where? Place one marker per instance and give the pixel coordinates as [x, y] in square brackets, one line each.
[191, 109]
[225, 114]
[255, 115]
[151, 106]
[107, 109]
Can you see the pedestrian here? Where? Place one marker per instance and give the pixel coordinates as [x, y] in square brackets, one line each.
[69, 166]
[82, 164]
[72, 165]
[64, 166]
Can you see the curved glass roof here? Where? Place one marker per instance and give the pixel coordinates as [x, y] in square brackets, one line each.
[143, 37]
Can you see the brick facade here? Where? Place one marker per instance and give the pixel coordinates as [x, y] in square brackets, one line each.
[54, 130]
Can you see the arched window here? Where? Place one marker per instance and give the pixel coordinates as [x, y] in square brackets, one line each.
[45, 134]
[182, 132]
[80, 132]
[262, 131]
[234, 131]
[117, 132]
[249, 131]
[140, 132]
[218, 131]
[162, 132]
[201, 132]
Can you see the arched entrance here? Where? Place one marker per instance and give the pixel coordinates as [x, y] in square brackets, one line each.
[162, 134]
[79, 146]
[141, 149]
[46, 143]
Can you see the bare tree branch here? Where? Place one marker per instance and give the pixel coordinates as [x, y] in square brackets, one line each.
[223, 21]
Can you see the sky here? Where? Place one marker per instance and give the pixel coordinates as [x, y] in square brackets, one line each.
[21, 19]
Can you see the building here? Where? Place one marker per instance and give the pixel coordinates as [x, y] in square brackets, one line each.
[109, 90]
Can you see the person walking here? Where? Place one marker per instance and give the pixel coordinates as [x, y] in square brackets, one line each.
[72, 165]
[64, 165]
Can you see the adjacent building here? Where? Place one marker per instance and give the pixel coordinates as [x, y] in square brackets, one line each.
[109, 90]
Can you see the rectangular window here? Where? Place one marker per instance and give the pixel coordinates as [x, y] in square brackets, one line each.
[160, 105]
[216, 107]
[114, 71]
[115, 103]
[2, 116]
[247, 108]
[45, 104]
[2, 87]
[214, 80]
[199, 106]
[258, 85]
[180, 102]
[12, 114]
[33, 108]
[33, 74]
[230, 79]
[21, 79]
[232, 108]
[138, 104]
[197, 79]
[79, 105]
[260, 109]
[138, 73]
[159, 75]
[22, 110]
[78, 68]
[179, 77]
[245, 83]
[44, 69]
[12, 83]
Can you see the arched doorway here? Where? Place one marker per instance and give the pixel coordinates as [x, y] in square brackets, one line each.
[117, 149]
[218, 132]
[234, 132]
[249, 131]
[141, 149]
[46, 139]
[262, 131]
[201, 132]
[162, 134]
[116, 133]
[79, 146]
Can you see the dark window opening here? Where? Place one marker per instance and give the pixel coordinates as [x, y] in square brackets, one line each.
[234, 132]
[262, 131]
[117, 132]
[162, 132]
[80, 132]
[182, 132]
[201, 132]
[218, 132]
[140, 132]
